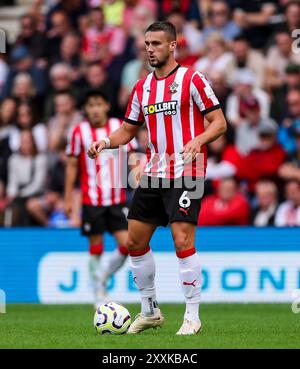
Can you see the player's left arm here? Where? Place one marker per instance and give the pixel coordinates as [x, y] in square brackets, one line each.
[216, 126]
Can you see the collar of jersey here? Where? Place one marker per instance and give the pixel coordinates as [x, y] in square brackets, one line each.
[172, 71]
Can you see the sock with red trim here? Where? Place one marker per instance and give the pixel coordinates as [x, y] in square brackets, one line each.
[143, 270]
[191, 280]
[115, 261]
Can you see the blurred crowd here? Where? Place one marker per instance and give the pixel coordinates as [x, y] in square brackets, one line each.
[245, 48]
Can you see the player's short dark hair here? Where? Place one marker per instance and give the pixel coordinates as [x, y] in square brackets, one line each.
[95, 92]
[166, 27]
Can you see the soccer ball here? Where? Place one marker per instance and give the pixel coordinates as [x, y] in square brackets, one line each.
[112, 318]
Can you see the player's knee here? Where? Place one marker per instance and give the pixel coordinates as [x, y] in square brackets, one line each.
[132, 244]
[96, 240]
[181, 241]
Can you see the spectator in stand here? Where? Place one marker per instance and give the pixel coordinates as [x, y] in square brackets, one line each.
[256, 18]
[34, 40]
[142, 19]
[8, 109]
[218, 19]
[24, 91]
[223, 160]
[102, 42]
[264, 161]
[70, 49]
[221, 88]
[132, 71]
[27, 173]
[245, 92]
[217, 56]
[74, 9]
[60, 26]
[185, 30]
[286, 132]
[279, 98]
[22, 62]
[288, 213]
[245, 57]
[263, 213]
[60, 80]
[227, 207]
[65, 118]
[23, 88]
[291, 169]
[279, 57]
[47, 210]
[191, 9]
[247, 132]
[96, 77]
[27, 119]
[183, 56]
[131, 9]
[7, 119]
[291, 18]
[113, 10]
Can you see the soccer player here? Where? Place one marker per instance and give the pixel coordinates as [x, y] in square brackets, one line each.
[173, 102]
[104, 202]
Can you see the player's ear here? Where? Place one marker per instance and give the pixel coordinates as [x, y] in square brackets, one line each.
[173, 45]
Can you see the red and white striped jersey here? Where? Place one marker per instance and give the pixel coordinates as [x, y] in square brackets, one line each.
[100, 178]
[173, 109]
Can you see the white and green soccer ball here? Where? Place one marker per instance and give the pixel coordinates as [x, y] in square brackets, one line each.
[112, 318]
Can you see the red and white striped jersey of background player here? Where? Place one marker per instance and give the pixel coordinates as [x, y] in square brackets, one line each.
[173, 108]
[100, 179]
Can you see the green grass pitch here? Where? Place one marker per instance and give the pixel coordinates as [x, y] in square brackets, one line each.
[224, 326]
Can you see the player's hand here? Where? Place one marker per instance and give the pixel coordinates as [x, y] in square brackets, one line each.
[190, 150]
[95, 148]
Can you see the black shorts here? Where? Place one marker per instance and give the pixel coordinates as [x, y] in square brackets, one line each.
[166, 205]
[96, 220]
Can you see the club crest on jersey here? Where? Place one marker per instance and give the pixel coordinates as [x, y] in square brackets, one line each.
[173, 87]
[168, 108]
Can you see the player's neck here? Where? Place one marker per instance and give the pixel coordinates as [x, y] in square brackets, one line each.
[99, 124]
[165, 70]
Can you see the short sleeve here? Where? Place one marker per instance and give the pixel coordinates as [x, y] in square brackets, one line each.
[74, 143]
[134, 114]
[203, 94]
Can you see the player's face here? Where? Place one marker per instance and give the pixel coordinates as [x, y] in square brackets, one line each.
[159, 48]
[96, 110]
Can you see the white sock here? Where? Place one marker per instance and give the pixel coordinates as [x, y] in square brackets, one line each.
[94, 263]
[114, 263]
[143, 270]
[192, 311]
[191, 281]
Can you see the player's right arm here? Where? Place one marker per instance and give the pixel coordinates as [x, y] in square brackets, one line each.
[121, 136]
[73, 151]
[134, 118]
[70, 178]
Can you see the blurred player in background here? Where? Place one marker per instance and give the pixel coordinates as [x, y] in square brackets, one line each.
[103, 202]
[173, 101]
